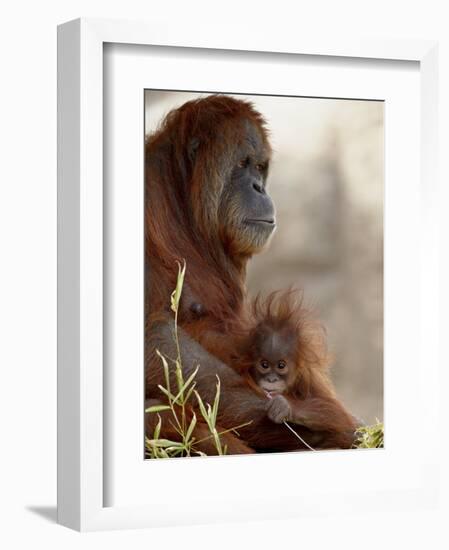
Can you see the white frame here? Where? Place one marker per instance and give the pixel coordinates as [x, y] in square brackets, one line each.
[80, 245]
[129, 480]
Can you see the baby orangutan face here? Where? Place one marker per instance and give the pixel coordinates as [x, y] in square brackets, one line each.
[273, 370]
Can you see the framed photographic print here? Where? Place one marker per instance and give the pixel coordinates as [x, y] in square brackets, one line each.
[245, 233]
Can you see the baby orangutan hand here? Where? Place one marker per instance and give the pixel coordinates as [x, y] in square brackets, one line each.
[278, 409]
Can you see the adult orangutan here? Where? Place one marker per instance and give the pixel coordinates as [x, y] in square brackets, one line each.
[206, 202]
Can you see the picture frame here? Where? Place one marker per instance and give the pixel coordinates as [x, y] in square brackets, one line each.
[85, 472]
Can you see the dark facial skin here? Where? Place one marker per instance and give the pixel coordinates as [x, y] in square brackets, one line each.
[209, 150]
[273, 371]
[246, 210]
[271, 377]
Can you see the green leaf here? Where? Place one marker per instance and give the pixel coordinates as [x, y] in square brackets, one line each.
[217, 441]
[157, 408]
[176, 294]
[179, 377]
[184, 386]
[370, 437]
[157, 429]
[191, 377]
[191, 428]
[178, 452]
[189, 392]
[216, 402]
[202, 408]
[173, 451]
[167, 393]
[164, 443]
[166, 372]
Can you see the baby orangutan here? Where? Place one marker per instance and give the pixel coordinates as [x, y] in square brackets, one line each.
[284, 356]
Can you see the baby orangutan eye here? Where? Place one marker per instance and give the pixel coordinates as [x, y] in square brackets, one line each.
[281, 365]
[264, 364]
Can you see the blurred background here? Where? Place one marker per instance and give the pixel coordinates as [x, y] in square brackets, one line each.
[326, 180]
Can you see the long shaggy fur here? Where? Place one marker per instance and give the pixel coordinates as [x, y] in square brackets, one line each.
[189, 160]
[286, 312]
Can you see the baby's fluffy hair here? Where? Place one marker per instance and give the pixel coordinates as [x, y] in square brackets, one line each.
[285, 311]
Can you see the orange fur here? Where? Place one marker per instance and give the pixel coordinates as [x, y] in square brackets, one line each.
[182, 222]
[311, 391]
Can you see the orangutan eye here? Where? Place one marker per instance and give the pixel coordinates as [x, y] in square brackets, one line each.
[281, 365]
[260, 167]
[243, 163]
[264, 364]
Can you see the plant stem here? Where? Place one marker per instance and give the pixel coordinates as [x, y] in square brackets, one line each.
[299, 437]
